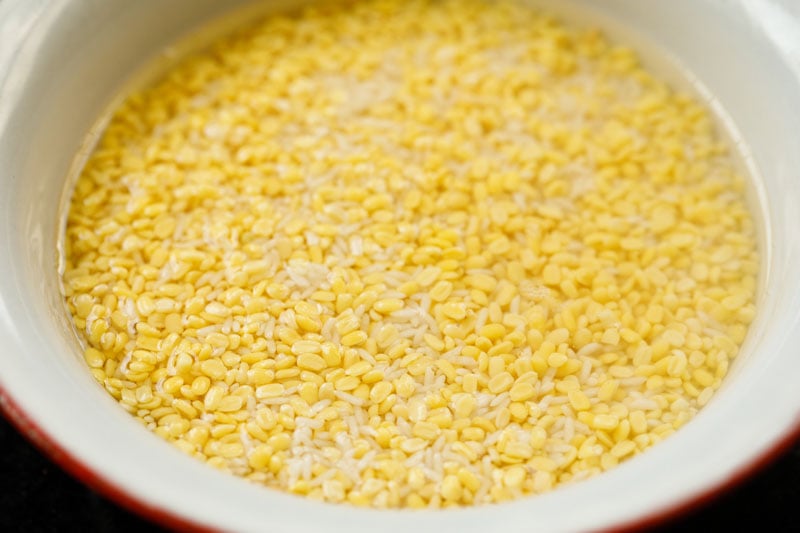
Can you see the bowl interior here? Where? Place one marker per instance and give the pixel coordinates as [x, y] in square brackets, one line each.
[63, 65]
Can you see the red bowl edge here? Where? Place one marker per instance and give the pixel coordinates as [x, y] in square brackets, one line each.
[697, 501]
[50, 447]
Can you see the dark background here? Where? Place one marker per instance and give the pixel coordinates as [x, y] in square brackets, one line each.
[39, 496]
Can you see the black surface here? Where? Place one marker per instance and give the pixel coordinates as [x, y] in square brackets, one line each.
[38, 496]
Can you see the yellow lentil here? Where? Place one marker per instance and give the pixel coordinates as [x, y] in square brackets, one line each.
[410, 225]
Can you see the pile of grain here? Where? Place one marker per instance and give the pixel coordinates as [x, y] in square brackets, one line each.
[421, 253]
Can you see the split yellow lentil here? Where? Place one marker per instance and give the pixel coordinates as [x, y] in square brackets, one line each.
[411, 254]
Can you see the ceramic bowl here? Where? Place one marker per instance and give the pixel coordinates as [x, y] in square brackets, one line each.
[62, 63]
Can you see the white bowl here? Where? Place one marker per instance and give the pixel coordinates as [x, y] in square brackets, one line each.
[63, 62]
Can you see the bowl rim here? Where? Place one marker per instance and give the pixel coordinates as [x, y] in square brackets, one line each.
[52, 449]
